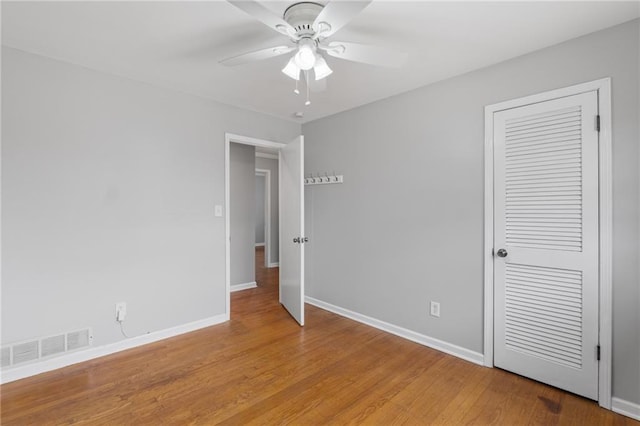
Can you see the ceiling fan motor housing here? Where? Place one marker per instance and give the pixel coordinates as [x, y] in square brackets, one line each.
[301, 17]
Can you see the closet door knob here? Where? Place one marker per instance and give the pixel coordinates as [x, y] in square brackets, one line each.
[502, 253]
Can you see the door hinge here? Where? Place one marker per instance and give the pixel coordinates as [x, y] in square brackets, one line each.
[598, 353]
[597, 123]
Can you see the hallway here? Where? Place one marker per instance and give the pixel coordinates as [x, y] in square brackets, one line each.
[260, 300]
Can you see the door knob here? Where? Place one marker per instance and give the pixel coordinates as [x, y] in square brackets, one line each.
[502, 253]
[296, 240]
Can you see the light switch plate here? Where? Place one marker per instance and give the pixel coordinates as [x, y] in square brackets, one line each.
[218, 211]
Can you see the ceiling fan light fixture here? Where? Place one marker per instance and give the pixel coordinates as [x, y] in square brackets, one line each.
[306, 57]
[321, 69]
[292, 69]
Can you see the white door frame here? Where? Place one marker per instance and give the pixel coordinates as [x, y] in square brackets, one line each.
[245, 140]
[603, 88]
[267, 214]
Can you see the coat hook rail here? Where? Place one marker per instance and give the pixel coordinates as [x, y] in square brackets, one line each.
[325, 179]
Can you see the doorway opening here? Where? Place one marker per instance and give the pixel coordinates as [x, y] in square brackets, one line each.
[267, 221]
[267, 205]
[242, 270]
[290, 221]
[262, 198]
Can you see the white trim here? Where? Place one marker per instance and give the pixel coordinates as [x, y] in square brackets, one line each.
[260, 244]
[488, 238]
[267, 213]
[12, 374]
[243, 286]
[626, 408]
[279, 218]
[603, 87]
[245, 140]
[606, 242]
[267, 155]
[440, 345]
[273, 265]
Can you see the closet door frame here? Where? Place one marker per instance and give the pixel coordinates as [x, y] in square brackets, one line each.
[603, 88]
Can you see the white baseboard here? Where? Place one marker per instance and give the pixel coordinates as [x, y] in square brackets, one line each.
[274, 264]
[451, 349]
[259, 244]
[626, 408]
[244, 286]
[28, 370]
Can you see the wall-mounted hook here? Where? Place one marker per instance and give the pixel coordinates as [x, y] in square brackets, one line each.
[317, 179]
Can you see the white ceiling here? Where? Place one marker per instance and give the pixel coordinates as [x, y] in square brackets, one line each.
[178, 44]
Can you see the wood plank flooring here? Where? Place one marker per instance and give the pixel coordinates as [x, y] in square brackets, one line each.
[261, 368]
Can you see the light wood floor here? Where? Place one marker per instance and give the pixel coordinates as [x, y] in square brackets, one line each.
[262, 368]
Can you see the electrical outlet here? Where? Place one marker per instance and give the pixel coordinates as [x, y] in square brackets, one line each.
[435, 309]
[121, 311]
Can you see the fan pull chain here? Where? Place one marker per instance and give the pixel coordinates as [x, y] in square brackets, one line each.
[296, 91]
[306, 76]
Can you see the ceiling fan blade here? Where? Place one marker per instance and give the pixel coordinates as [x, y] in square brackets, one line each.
[257, 55]
[265, 16]
[365, 53]
[337, 14]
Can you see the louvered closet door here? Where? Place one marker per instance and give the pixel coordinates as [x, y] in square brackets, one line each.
[546, 218]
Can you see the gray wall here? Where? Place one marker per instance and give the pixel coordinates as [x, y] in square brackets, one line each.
[270, 164]
[242, 220]
[260, 209]
[406, 227]
[108, 194]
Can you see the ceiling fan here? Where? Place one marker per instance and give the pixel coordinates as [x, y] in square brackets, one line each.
[308, 25]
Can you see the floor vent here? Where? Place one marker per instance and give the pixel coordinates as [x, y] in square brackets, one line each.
[6, 356]
[23, 352]
[78, 339]
[53, 345]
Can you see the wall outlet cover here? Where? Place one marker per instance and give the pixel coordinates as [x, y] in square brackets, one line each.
[121, 311]
[435, 309]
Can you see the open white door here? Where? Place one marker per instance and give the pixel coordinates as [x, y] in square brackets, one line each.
[292, 228]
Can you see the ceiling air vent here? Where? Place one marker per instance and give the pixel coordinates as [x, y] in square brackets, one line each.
[52, 345]
[24, 352]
